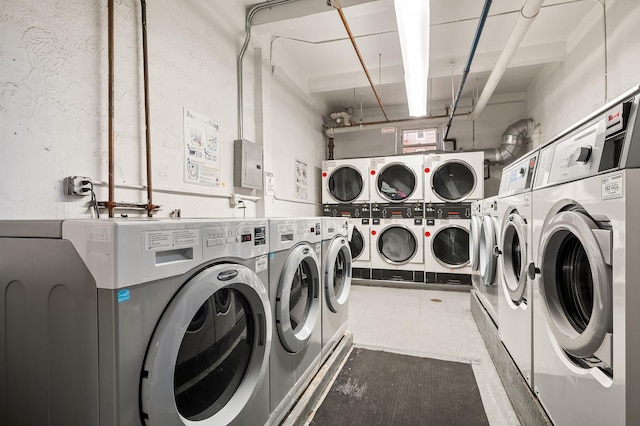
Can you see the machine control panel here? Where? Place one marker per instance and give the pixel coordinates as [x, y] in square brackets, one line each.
[447, 211]
[346, 210]
[518, 178]
[397, 211]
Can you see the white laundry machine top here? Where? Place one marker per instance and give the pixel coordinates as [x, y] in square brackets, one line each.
[345, 181]
[126, 252]
[454, 177]
[518, 177]
[596, 144]
[333, 226]
[284, 233]
[397, 179]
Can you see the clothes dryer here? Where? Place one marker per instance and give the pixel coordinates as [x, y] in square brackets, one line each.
[397, 179]
[345, 181]
[585, 204]
[296, 298]
[489, 273]
[514, 245]
[396, 242]
[155, 322]
[446, 243]
[453, 177]
[336, 281]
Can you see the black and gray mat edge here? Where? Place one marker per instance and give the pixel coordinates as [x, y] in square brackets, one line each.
[390, 388]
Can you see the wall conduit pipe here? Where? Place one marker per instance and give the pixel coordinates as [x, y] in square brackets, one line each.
[474, 45]
[527, 15]
[110, 89]
[145, 62]
[514, 138]
[250, 14]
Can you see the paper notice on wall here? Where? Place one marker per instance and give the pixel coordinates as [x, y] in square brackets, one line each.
[201, 150]
[269, 184]
[302, 173]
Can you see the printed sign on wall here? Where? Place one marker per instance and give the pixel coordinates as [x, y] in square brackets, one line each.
[302, 173]
[202, 150]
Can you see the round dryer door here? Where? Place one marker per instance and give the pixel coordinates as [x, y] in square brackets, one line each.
[575, 284]
[488, 259]
[298, 302]
[356, 245]
[338, 274]
[453, 180]
[514, 257]
[396, 182]
[474, 243]
[397, 244]
[345, 184]
[450, 246]
[210, 350]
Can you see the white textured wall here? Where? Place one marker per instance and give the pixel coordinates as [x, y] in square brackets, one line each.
[53, 106]
[567, 91]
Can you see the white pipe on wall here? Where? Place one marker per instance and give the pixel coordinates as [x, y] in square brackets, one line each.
[527, 15]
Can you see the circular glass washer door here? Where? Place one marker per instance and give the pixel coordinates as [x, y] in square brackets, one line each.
[396, 182]
[298, 298]
[474, 243]
[356, 245]
[345, 184]
[450, 246]
[397, 245]
[338, 274]
[575, 282]
[210, 350]
[488, 259]
[514, 257]
[453, 180]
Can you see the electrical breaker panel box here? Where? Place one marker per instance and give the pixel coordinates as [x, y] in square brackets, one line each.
[247, 167]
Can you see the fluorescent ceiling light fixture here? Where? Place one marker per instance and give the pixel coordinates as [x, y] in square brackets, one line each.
[413, 20]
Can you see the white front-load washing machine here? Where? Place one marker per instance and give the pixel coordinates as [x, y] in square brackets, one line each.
[131, 322]
[515, 253]
[296, 298]
[396, 244]
[446, 243]
[453, 177]
[397, 179]
[345, 181]
[586, 245]
[336, 281]
[488, 265]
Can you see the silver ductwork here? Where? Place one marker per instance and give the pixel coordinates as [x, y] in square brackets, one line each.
[514, 138]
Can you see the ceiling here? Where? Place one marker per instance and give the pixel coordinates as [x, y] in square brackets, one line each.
[309, 36]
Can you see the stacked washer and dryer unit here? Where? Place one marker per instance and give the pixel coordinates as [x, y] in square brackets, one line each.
[397, 212]
[345, 193]
[586, 243]
[124, 322]
[451, 182]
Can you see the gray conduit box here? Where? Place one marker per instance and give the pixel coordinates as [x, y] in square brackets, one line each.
[247, 164]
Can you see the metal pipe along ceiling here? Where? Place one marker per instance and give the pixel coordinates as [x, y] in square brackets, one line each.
[474, 45]
[527, 15]
[336, 4]
[513, 140]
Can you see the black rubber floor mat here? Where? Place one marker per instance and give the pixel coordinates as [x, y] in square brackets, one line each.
[383, 388]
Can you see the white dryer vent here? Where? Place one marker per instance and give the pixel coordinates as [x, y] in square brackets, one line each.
[341, 119]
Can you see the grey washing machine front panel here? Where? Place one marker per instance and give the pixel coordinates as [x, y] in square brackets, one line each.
[48, 335]
[105, 331]
[337, 273]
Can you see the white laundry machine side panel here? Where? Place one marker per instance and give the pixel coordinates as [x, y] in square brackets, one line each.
[397, 179]
[454, 177]
[574, 392]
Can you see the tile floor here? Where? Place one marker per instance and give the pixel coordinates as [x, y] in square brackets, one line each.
[430, 323]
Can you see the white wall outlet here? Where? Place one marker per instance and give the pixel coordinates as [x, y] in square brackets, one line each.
[77, 185]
